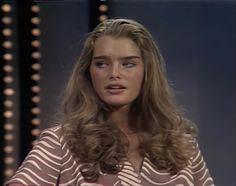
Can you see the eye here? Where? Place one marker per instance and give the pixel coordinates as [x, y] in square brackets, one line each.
[101, 64]
[128, 64]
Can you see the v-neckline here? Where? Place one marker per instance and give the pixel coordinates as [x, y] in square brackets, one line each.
[134, 167]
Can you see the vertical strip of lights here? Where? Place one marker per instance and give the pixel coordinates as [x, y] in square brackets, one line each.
[99, 11]
[35, 66]
[103, 10]
[29, 71]
[8, 90]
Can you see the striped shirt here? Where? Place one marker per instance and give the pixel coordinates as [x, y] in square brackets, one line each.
[51, 163]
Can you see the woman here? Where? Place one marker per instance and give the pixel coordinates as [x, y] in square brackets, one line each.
[120, 125]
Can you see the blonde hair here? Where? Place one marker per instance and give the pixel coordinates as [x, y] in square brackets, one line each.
[165, 135]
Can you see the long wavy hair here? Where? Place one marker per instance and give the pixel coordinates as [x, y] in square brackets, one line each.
[165, 134]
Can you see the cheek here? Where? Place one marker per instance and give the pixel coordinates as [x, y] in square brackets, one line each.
[96, 79]
[139, 80]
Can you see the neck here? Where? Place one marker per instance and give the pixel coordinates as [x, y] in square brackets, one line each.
[120, 117]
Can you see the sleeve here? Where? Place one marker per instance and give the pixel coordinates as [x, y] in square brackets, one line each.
[200, 171]
[42, 165]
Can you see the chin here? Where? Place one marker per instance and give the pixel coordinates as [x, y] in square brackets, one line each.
[118, 105]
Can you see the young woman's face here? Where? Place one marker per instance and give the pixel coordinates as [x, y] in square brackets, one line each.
[116, 70]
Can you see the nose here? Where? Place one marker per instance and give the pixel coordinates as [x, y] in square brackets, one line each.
[115, 72]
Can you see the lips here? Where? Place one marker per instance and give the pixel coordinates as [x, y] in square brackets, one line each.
[115, 88]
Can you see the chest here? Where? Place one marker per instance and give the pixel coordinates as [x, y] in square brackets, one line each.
[146, 176]
[133, 154]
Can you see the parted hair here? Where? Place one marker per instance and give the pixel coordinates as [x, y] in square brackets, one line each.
[166, 136]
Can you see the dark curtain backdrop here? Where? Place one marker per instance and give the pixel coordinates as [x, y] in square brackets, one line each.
[198, 42]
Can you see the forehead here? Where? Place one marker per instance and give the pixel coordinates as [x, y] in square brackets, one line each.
[108, 45]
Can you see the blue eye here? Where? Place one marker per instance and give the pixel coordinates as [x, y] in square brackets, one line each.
[100, 64]
[128, 64]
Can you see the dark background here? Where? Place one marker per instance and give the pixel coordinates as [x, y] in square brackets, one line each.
[198, 42]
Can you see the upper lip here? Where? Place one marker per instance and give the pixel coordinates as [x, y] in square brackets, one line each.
[115, 86]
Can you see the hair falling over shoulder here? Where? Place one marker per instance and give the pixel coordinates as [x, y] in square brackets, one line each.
[166, 136]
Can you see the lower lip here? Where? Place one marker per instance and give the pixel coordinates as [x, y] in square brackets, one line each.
[115, 91]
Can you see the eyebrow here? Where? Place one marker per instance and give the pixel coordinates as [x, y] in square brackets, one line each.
[126, 57]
